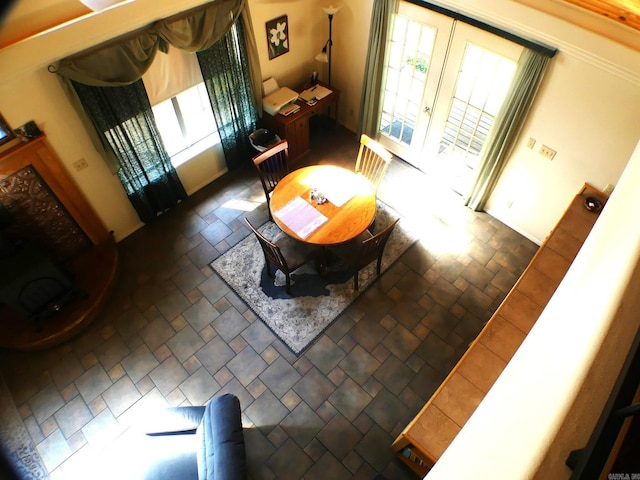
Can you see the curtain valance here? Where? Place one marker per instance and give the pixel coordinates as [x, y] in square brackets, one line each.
[125, 60]
[200, 29]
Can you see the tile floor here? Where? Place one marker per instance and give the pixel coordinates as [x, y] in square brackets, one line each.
[174, 334]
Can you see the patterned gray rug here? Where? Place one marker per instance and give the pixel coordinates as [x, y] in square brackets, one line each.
[16, 444]
[316, 301]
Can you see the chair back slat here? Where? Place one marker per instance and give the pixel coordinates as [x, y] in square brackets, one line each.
[271, 251]
[373, 160]
[372, 248]
[272, 165]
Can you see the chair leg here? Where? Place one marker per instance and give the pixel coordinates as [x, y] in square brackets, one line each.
[288, 283]
[269, 208]
[268, 265]
[322, 261]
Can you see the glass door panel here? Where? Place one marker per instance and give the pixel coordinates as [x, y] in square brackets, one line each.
[476, 79]
[445, 82]
[416, 56]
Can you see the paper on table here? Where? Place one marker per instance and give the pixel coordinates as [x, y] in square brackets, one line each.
[270, 85]
[336, 193]
[308, 95]
[321, 92]
[300, 217]
[317, 92]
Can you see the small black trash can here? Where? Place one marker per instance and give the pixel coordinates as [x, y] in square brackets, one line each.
[262, 139]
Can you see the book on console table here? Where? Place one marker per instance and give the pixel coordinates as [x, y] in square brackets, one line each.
[289, 109]
[315, 93]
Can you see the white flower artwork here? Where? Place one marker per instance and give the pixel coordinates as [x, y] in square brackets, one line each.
[278, 36]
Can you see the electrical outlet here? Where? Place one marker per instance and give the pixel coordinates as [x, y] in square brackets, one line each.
[547, 152]
[531, 143]
[80, 164]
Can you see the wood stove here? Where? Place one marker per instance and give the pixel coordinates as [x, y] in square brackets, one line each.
[33, 281]
[57, 260]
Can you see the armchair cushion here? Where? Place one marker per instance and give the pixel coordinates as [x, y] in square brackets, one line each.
[221, 452]
[186, 443]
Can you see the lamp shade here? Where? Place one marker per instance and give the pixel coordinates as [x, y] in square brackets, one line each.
[331, 9]
[322, 56]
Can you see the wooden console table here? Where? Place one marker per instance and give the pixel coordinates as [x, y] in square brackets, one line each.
[48, 207]
[431, 431]
[295, 127]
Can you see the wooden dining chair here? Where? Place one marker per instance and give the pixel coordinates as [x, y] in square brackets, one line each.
[373, 161]
[286, 253]
[362, 250]
[273, 166]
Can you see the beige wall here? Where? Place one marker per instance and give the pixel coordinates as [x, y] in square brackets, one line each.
[588, 117]
[585, 110]
[29, 92]
[305, 34]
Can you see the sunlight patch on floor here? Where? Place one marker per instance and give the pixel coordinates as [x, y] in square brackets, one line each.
[243, 205]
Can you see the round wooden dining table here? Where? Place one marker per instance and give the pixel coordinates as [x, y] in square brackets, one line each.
[349, 209]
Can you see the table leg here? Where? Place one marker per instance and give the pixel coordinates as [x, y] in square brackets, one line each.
[323, 261]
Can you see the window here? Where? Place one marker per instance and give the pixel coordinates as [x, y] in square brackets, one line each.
[186, 124]
[483, 82]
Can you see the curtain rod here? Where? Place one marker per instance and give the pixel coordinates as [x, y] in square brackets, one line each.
[538, 47]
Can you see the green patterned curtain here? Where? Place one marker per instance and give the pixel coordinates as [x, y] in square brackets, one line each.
[231, 69]
[228, 82]
[370, 102]
[123, 114]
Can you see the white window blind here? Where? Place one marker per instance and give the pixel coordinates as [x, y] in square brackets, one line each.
[170, 74]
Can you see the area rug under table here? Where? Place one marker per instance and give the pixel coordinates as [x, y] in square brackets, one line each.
[315, 301]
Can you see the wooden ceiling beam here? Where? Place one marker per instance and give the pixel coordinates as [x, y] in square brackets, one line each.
[621, 11]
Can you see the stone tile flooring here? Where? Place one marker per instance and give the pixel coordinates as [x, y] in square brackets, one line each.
[175, 334]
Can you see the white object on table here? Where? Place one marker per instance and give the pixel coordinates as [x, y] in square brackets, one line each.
[301, 217]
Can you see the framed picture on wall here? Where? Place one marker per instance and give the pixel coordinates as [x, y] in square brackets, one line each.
[278, 36]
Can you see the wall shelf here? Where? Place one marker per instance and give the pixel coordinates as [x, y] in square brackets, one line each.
[433, 429]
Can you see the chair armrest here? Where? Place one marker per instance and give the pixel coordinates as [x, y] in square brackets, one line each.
[221, 452]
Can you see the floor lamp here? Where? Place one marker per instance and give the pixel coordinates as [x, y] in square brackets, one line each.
[325, 55]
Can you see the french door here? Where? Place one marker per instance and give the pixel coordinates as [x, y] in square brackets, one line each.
[444, 83]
